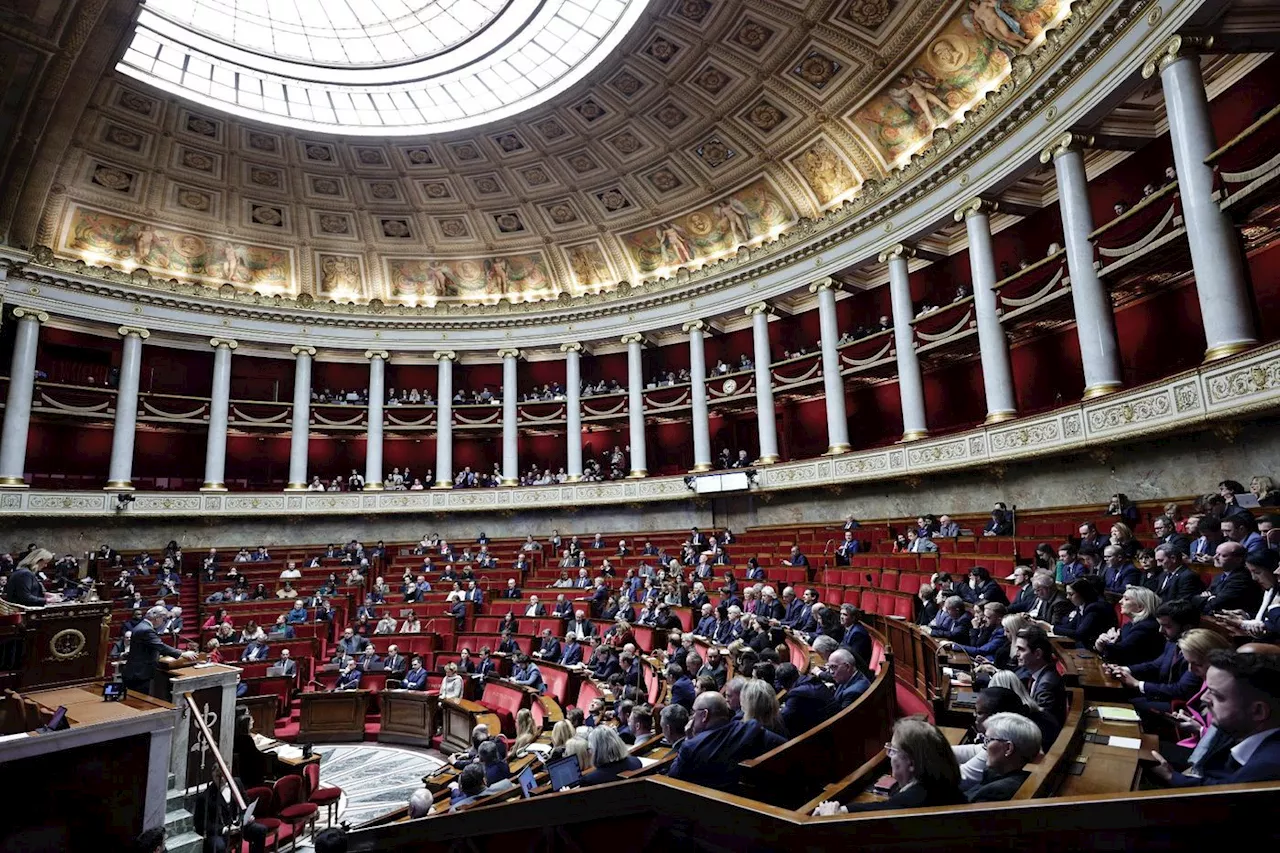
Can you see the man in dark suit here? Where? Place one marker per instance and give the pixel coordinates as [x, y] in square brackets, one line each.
[257, 650]
[563, 608]
[369, 660]
[1034, 653]
[682, 690]
[847, 548]
[1025, 598]
[549, 648]
[395, 663]
[953, 622]
[571, 653]
[1050, 605]
[145, 650]
[1243, 696]
[350, 678]
[1091, 538]
[512, 591]
[1167, 678]
[1234, 589]
[710, 755]
[848, 683]
[352, 644]
[806, 701]
[1167, 534]
[416, 677]
[534, 608]
[707, 623]
[1118, 574]
[580, 626]
[1177, 580]
[475, 594]
[855, 636]
[288, 666]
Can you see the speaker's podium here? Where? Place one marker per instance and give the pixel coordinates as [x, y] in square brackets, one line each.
[333, 717]
[213, 687]
[58, 644]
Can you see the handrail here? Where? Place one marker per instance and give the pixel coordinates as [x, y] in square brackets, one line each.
[1240, 137]
[1048, 259]
[1133, 211]
[202, 729]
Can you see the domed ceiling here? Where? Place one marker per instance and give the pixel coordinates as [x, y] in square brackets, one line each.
[715, 124]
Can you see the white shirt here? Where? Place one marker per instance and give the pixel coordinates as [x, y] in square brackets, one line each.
[1245, 749]
[1268, 601]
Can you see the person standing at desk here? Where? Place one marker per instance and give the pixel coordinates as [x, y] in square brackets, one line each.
[24, 585]
[145, 649]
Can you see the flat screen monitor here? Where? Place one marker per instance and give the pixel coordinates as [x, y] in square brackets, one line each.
[564, 772]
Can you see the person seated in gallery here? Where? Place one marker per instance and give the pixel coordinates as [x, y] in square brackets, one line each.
[1091, 617]
[1011, 742]
[710, 755]
[350, 677]
[1139, 639]
[953, 622]
[924, 771]
[416, 677]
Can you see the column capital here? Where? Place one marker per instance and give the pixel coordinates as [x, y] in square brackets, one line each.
[694, 326]
[1063, 144]
[445, 355]
[758, 308]
[126, 331]
[827, 283]
[301, 350]
[39, 316]
[575, 346]
[896, 251]
[377, 353]
[509, 352]
[975, 206]
[633, 338]
[223, 342]
[1177, 47]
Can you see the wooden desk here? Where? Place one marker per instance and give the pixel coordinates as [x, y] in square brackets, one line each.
[264, 710]
[333, 717]
[1109, 769]
[76, 632]
[458, 718]
[408, 716]
[1084, 667]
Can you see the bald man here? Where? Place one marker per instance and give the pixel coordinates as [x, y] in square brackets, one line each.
[717, 742]
[1233, 589]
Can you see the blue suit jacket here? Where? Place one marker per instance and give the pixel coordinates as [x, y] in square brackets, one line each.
[1087, 624]
[1117, 579]
[1262, 766]
[946, 628]
[706, 626]
[1167, 677]
[415, 679]
[1138, 641]
[711, 758]
[844, 694]
[987, 649]
[805, 704]
[682, 692]
[1234, 590]
[349, 680]
[571, 654]
[857, 639]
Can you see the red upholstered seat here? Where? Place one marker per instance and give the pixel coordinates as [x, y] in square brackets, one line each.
[557, 681]
[505, 702]
[326, 798]
[291, 805]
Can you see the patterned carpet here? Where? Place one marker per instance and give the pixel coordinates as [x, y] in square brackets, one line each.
[374, 779]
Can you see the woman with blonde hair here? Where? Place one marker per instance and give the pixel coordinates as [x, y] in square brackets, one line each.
[1122, 535]
[609, 757]
[1264, 489]
[759, 702]
[924, 770]
[578, 747]
[28, 590]
[451, 685]
[1139, 639]
[526, 733]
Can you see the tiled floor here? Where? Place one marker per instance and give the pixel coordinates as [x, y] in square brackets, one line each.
[374, 779]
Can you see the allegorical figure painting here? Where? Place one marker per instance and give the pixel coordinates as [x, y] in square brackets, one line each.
[518, 277]
[172, 252]
[825, 171]
[972, 51]
[715, 229]
[339, 276]
[588, 265]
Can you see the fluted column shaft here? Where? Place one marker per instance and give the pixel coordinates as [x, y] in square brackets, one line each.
[635, 403]
[120, 471]
[444, 419]
[1225, 309]
[373, 468]
[573, 410]
[766, 416]
[915, 423]
[993, 346]
[832, 381]
[698, 395]
[510, 428]
[215, 451]
[17, 410]
[301, 426]
[1095, 322]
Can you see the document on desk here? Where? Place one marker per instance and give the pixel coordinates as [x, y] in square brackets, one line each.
[290, 753]
[1125, 742]
[1117, 715]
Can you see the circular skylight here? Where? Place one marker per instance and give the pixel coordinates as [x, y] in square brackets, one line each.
[373, 67]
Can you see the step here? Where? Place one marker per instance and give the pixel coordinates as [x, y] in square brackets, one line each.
[187, 842]
[178, 821]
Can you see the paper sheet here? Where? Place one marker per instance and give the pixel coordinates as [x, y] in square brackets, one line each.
[1125, 742]
[1124, 715]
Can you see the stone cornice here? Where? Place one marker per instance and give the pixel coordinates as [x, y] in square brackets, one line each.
[1248, 384]
[1072, 71]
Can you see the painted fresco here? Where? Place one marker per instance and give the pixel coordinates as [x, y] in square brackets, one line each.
[826, 173]
[588, 265]
[100, 236]
[973, 51]
[742, 216]
[340, 276]
[518, 277]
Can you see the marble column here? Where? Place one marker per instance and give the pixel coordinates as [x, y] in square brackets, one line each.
[1216, 258]
[444, 418]
[696, 330]
[120, 471]
[301, 431]
[993, 346]
[1095, 321]
[510, 418]
[17, 410]
[215, 451]
[832, 381]
[635, 403]
[573, 410]
[915, 424]
[766, 415]
[377, 399]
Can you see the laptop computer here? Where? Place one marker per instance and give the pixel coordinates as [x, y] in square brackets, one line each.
[526, 781]
[564, 772]
[274, 670]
